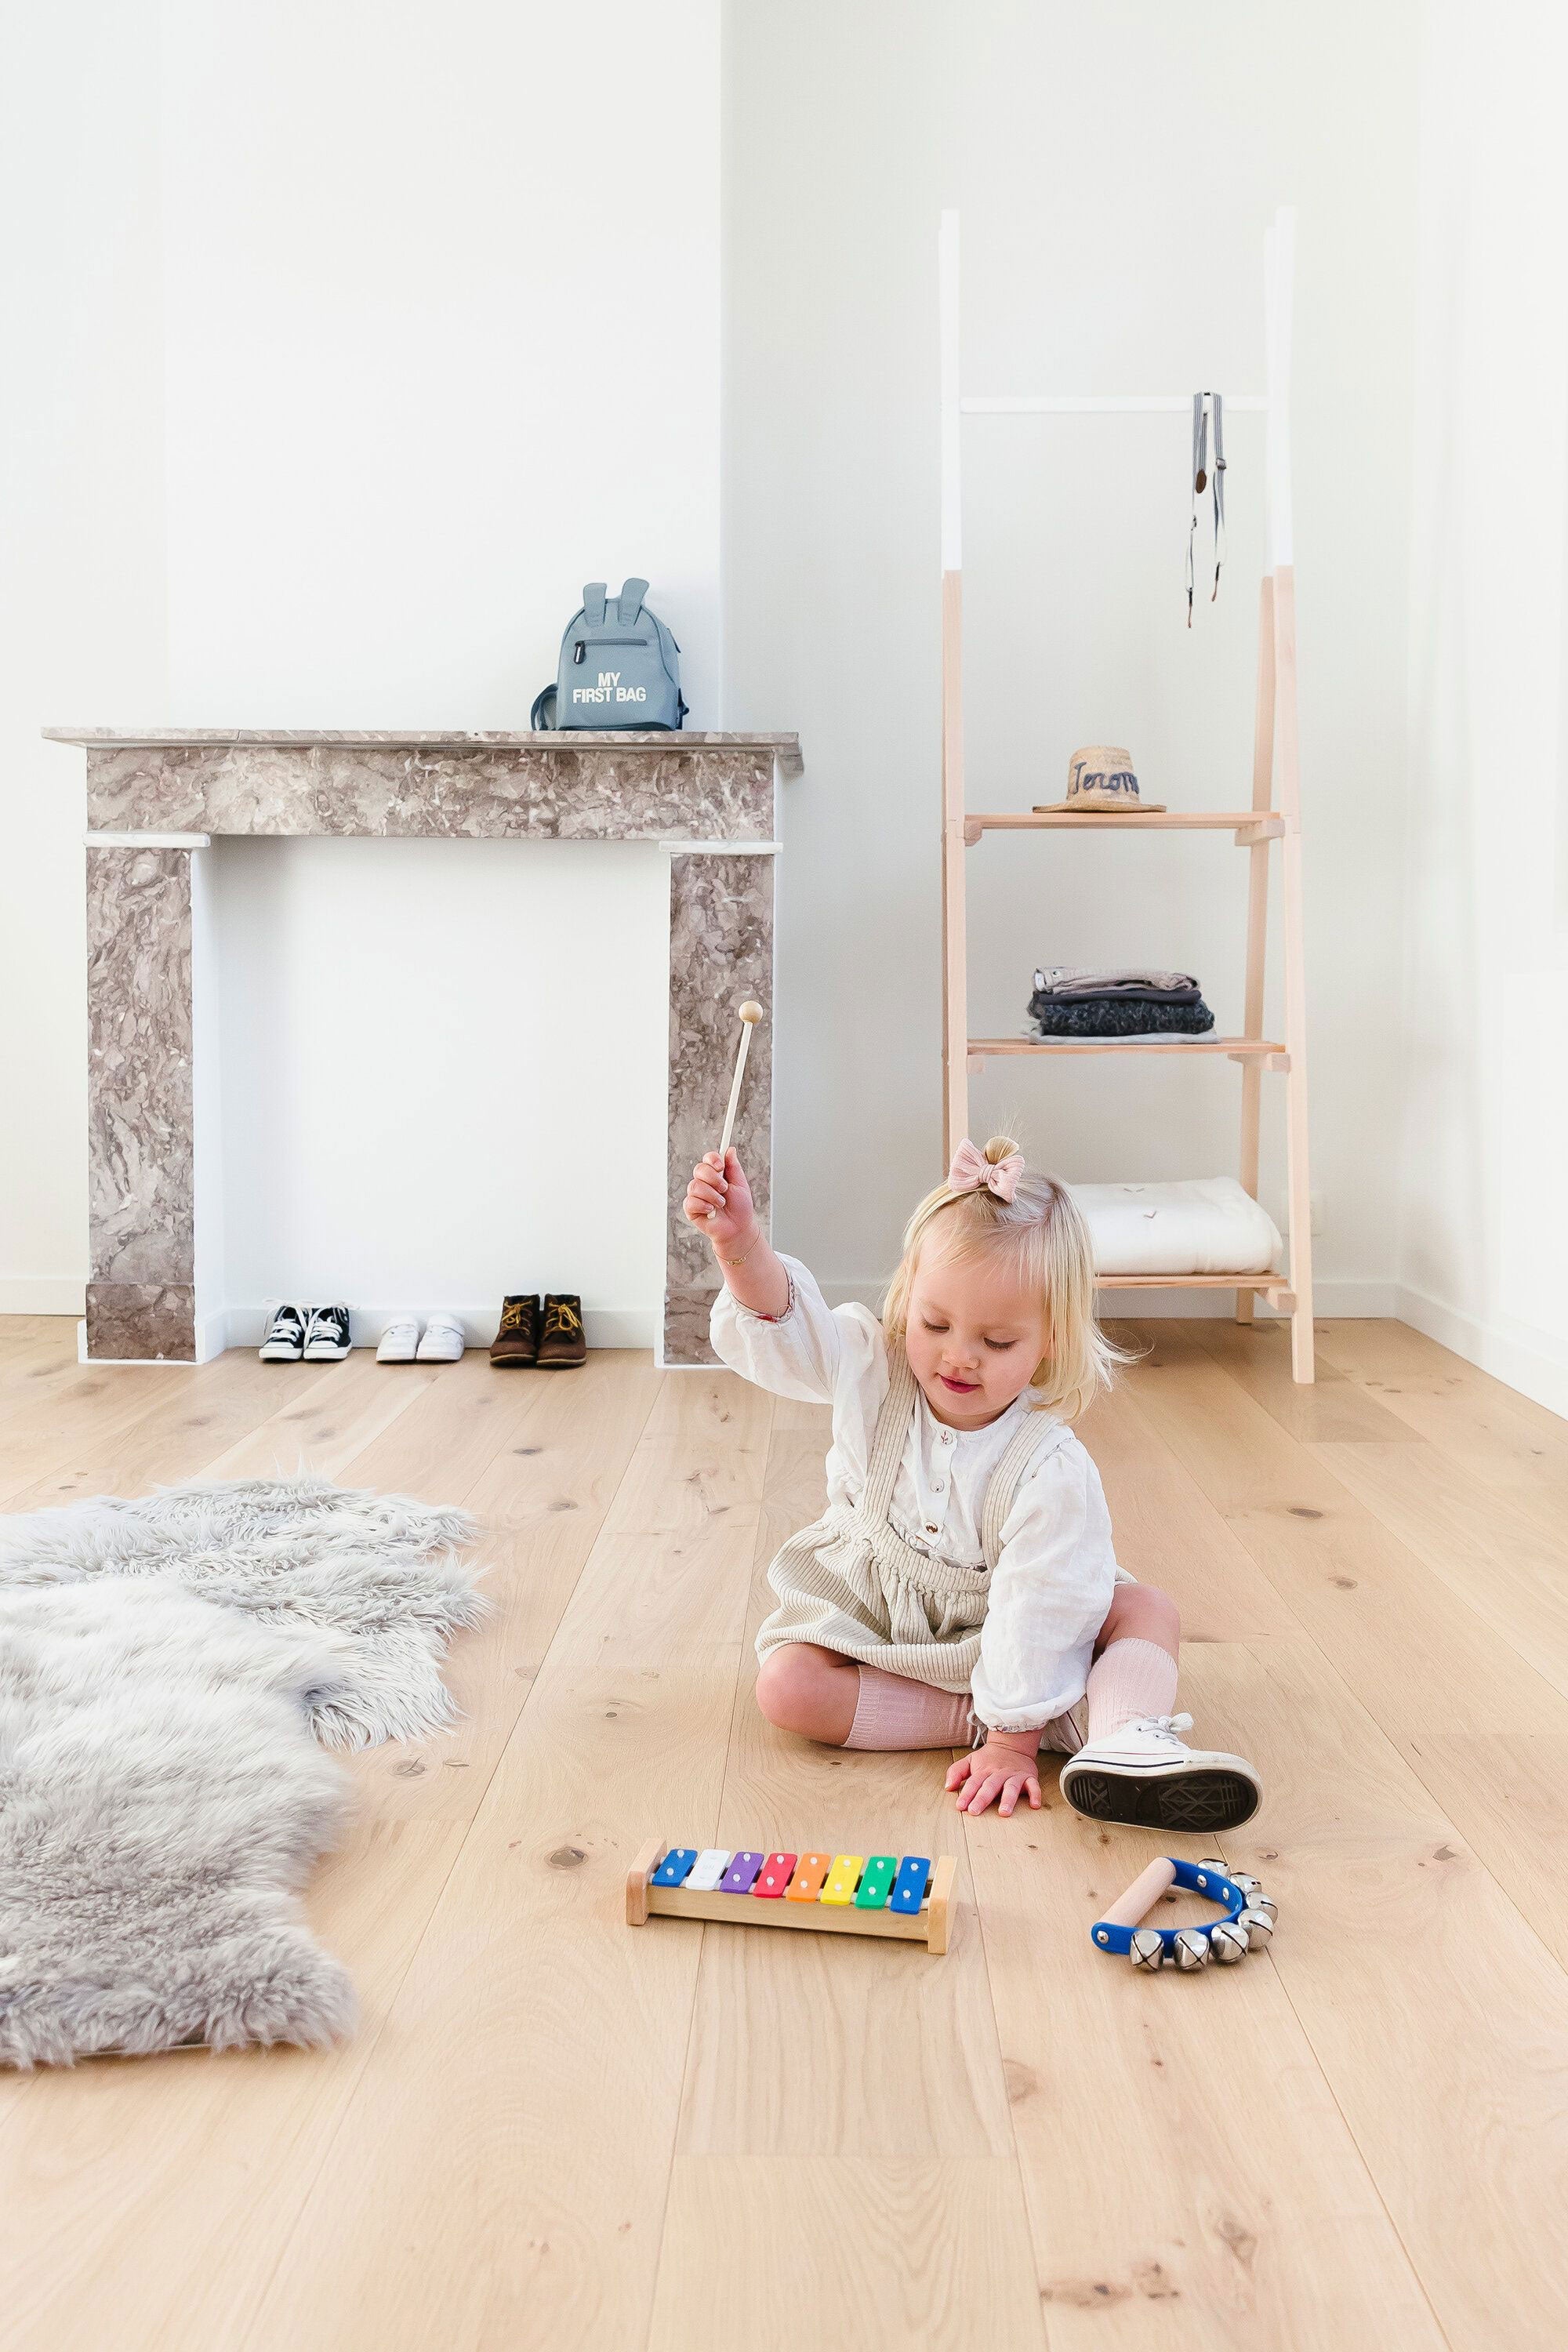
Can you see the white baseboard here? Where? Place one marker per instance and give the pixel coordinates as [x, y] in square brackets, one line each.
[602, 1327]
[43, 1294]
[1344, 1298]
[1525, 1357]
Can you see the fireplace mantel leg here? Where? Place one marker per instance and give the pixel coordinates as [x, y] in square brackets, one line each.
[140, 1296]
[721, 952]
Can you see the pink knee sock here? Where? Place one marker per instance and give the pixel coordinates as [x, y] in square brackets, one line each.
[1129, 1678]
[895, 1711]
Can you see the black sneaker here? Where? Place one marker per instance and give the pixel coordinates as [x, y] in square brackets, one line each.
[327, 1335]
[284, 1339]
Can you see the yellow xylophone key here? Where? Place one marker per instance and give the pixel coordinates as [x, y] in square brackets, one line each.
[843, 1878]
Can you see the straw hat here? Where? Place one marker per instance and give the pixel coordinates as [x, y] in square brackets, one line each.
[1100, 777]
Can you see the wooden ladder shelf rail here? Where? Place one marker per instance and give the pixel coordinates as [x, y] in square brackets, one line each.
[1274, 817]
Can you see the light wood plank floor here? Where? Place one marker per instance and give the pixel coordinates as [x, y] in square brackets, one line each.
[555, 2131]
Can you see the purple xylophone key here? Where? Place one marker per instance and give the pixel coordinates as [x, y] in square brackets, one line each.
[741, 1874]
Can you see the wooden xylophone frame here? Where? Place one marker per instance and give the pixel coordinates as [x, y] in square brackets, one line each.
[929, 1926]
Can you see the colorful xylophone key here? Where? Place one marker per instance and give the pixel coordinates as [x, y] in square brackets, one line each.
[811, 1873]
[708, 1869]
[876, 1883]
[676, 1867]
[910, 1887]
[843, 1878]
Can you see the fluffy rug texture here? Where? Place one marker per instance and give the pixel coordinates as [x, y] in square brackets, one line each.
[170, 1672]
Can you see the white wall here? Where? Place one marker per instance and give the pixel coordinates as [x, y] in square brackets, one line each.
[1482, 1262]
[355, 339]
[340, 372]
[442, 342]
[522, 1150]
[1115, 168]
[82, 575]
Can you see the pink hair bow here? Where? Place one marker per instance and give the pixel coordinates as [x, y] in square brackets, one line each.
[970, 1173]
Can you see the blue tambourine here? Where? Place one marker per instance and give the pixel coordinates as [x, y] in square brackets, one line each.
[1245, 1924]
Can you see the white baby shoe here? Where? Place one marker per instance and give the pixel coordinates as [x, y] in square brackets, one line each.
[398, 1341]
[1144, 1775]
[444, 1340]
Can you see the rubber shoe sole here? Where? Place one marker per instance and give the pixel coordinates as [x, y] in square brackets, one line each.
[1204, 1798]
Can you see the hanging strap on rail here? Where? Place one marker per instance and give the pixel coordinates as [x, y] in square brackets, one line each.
[1203, 403]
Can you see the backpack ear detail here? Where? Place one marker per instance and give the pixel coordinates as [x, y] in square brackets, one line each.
[629, 604]
[593, 597]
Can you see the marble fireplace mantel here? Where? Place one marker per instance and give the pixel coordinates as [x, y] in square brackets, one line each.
[156, 799]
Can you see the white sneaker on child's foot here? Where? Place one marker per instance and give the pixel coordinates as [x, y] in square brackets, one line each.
[1144, 1775]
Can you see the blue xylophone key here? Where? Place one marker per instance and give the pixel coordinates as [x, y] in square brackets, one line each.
[910, 1887]
[741, 1874]
[676, 1867]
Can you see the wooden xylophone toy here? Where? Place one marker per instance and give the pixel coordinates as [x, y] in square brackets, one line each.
[842, 1894]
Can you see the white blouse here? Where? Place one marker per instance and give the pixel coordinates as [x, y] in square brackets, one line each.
[1057, 1568]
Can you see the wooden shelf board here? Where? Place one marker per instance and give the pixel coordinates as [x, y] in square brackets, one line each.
[1191, 1281]
[1241, 1048]
[1265, 822]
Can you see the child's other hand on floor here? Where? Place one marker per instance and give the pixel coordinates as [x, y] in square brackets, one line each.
[997, 1774]
[721, 1186]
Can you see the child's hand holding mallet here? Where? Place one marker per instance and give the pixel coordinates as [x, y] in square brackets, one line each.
[718, 1203]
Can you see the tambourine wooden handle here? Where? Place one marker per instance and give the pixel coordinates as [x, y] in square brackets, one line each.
[1143, 1895]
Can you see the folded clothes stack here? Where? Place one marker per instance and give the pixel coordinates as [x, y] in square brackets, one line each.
[1084, 1001]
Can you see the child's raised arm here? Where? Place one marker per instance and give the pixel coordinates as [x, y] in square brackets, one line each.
[718, 1203]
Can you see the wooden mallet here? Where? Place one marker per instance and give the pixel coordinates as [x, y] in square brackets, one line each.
[751, 1014]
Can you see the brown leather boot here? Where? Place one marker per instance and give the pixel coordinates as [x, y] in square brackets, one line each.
[517, 1341]
[562, 1342]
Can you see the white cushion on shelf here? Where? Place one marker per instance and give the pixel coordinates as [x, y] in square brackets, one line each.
[1205, 1224]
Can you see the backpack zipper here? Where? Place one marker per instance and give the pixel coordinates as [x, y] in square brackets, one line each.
[579, 650]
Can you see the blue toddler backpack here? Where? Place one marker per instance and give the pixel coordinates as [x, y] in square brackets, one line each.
[620, 667]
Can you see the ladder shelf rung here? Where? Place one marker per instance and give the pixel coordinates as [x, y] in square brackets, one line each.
[1248, 826]
[1240, 1049]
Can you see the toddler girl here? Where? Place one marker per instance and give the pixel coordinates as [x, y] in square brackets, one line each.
[961, 1587]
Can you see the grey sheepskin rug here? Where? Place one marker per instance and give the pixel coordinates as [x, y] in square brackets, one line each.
[171, 1671]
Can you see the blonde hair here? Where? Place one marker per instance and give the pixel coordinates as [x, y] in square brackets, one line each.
[1042, 1234]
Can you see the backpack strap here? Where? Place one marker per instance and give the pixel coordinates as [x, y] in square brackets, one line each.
[629, 602]
[593, 597]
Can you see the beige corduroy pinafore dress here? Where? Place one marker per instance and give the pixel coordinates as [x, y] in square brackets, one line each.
[851, 1583]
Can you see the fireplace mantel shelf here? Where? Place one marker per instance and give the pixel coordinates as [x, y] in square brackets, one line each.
[157, 797]
[786, 749]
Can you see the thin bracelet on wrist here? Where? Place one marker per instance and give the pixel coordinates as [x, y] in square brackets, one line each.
[745, 1253]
